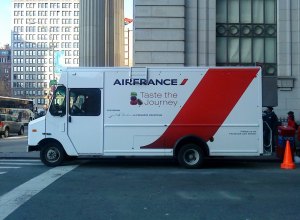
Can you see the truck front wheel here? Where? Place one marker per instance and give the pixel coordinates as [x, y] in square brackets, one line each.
[191, 156]
[52, 154]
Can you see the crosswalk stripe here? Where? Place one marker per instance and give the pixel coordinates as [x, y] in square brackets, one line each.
[20, 160]
[25, 164]
[17, 137]
[9, 167]
[12, 200]
[2, 173]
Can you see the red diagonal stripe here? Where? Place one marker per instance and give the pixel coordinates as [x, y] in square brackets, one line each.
[183, 82]
[209, 105]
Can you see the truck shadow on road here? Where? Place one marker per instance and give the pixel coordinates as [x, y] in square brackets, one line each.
[170, 163]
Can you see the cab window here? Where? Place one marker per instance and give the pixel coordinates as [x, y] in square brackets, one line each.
[58, 104]
[85, 102]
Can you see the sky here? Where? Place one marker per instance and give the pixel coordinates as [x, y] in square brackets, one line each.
[6, 15]
[5, 20]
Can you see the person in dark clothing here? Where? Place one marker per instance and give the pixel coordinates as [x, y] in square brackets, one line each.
[271, 119]
[20, 116]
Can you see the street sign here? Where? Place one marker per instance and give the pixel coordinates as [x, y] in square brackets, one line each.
[59, 61]
[53, 82]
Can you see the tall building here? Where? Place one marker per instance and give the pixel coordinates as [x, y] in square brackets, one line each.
[225, 32]
[5, 71]
[43, 30]
[101, 33]
[128, 46]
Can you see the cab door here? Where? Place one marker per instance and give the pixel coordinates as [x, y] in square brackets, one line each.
[85, 120]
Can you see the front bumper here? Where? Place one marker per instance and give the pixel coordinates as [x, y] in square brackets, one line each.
[33, 148]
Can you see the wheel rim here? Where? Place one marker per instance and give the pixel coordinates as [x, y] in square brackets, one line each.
[191, 157]
[6, 133]
[52, 155]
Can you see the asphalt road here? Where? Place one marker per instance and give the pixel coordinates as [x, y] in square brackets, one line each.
[149, 189]
[13, 144]
[16, 149]
[146, 188]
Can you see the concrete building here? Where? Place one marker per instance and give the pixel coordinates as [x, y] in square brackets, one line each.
[128, 45]
[5, 71]
[42, 29]
[101, 33]
[224, 33]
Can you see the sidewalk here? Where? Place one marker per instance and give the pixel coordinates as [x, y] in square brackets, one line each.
[270, 158]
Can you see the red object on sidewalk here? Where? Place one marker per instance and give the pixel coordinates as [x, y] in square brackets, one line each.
[285, 133]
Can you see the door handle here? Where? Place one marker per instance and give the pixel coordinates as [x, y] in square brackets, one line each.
[70, 118]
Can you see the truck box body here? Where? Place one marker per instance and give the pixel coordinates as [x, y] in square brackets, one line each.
[150, 111]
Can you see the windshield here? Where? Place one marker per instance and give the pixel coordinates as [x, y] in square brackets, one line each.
[58, 104]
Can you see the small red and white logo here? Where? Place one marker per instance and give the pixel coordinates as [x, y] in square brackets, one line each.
[184, 81]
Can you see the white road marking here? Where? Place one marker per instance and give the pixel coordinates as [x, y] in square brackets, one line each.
[17, 137]
[12, 200]
[229, 195]
[17, 163]
[20, 160]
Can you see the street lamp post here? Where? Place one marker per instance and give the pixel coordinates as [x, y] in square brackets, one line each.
[52, 48]
[53, 78]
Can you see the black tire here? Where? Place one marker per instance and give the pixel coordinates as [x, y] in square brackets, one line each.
[191, 156]
[6, 132]
[52, 154]
[21, 132]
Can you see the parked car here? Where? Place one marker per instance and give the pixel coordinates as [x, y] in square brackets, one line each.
[9, 124]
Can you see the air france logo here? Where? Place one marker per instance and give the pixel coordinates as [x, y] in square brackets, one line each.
[155, 82]
[183, 82]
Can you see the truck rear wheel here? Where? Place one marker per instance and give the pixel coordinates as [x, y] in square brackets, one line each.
[52, 154]
[191, 156]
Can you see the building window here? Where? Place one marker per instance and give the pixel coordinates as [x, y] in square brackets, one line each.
[18, 5]
[247, 34]
[75, 45]
[67, 60]
[75, 61]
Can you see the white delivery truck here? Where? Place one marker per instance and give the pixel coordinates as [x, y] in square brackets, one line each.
[187, 113]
